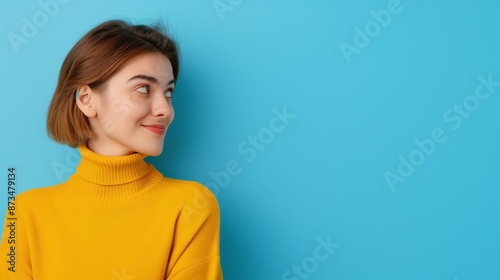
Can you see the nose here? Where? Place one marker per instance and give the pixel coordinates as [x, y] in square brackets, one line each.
[161, 106]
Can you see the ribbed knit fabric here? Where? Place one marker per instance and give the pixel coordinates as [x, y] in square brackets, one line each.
[116, 218]
[111, 179]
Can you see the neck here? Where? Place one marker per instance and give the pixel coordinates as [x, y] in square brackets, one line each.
[107, 148]
[111, 170]
[112, 178]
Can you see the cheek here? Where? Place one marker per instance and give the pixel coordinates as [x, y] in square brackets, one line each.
[123, 108]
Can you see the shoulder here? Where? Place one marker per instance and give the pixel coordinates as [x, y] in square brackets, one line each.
[187, 189]
[192, 195]
[40, 192]
[36, 198]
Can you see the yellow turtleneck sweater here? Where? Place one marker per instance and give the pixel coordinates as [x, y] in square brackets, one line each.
[116, 218]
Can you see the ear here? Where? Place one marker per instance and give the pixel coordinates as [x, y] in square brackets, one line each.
[85, 100]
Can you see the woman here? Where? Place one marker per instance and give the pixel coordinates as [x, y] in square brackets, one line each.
[117, 217]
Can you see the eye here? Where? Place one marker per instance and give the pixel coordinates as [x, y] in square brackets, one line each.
[143, 89]
[169, 92]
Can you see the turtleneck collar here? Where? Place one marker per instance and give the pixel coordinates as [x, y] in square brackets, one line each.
[112, 178]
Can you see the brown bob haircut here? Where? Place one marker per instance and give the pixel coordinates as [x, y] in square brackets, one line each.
[92, 61]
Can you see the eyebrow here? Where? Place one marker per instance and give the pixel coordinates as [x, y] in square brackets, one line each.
[150, 79]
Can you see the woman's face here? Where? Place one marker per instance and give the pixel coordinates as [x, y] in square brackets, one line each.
[134, 109]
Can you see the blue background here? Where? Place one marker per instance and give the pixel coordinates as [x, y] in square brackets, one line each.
[324, 175]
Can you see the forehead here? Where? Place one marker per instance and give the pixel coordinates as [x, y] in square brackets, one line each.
[151, 64]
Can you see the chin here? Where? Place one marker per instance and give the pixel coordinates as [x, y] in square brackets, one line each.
[154, 152]
[151, 151]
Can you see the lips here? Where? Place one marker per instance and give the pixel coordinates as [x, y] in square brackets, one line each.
[156, 128]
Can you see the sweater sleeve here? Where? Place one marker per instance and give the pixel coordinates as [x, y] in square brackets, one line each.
[14, 250]
[195, 252]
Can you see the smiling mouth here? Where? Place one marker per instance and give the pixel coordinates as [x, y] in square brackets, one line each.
[156, 128]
